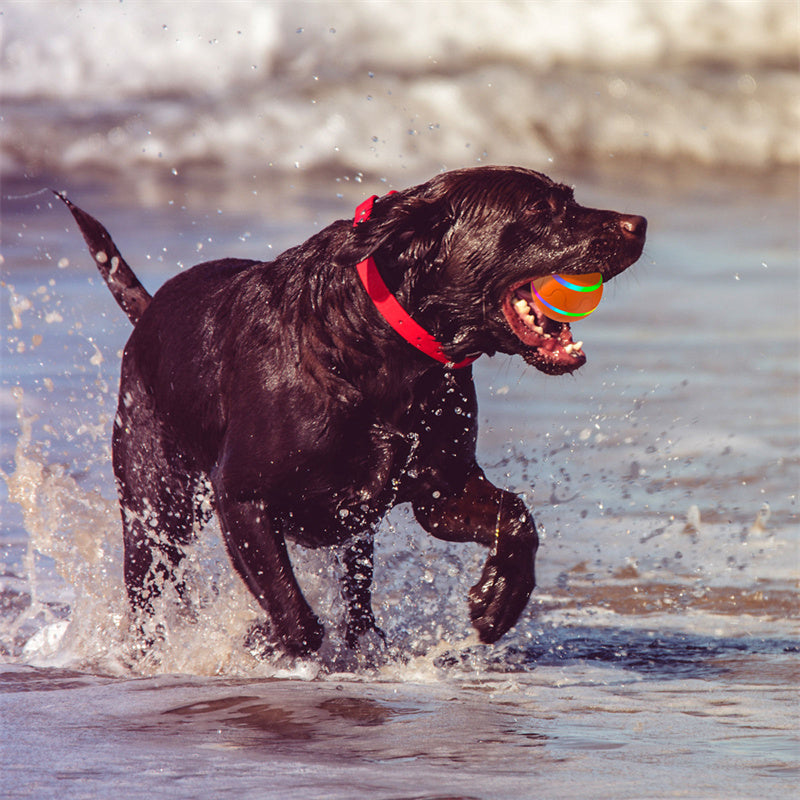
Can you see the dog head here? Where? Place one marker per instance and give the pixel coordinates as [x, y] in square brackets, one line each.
[460, 251]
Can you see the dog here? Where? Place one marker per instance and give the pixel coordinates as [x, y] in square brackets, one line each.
[318, 390]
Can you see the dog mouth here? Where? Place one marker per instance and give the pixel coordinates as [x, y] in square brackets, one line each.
[548, 345]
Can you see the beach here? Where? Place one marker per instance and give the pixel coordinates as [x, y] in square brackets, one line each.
[658, 656]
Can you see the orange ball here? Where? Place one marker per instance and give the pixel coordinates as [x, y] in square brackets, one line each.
[566, 298]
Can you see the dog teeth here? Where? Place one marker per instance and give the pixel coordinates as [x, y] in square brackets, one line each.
[530, 321]
[522, 307]
[573, 347]
[524, 311]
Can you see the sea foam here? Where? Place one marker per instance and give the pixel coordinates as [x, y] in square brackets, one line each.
[381, 87]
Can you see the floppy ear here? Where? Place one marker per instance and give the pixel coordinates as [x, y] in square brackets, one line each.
[403, 229]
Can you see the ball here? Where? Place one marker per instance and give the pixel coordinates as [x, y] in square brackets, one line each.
[566, 298]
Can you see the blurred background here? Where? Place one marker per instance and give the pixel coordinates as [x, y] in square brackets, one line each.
[173, 98]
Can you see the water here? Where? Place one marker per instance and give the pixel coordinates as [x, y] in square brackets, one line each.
[658, 656]
[578, 731]
[266, 88]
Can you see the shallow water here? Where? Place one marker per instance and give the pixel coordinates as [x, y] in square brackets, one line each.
[574, 731]
[659, 653]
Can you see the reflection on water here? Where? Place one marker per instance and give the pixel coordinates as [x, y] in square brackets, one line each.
[660, 655]
[591, 729]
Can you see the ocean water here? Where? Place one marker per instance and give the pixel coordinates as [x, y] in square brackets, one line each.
[659, 654]
[381, 87]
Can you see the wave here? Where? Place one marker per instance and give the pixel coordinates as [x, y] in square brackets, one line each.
[381, 87]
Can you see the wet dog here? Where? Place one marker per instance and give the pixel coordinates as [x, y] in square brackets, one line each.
[316, 391]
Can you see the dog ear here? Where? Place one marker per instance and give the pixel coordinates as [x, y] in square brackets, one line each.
[404, 229]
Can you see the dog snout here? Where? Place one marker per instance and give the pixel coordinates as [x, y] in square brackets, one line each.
[632, 226]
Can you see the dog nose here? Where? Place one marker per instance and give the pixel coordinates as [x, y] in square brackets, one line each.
[632, 226]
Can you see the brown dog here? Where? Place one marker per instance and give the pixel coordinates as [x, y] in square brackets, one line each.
[318, 390]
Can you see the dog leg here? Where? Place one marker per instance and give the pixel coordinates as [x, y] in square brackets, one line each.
[258, 552]
[358, 563]
[156, 488]
[151, 561]
[497, 519]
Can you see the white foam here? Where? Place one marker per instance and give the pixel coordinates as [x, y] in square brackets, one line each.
[395, 86]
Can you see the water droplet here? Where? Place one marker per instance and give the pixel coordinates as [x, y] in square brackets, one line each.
[747, 84]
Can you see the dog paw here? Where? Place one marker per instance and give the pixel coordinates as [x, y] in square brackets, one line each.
[264, 642]
[498, 598]
[304, 639]
[364, 635]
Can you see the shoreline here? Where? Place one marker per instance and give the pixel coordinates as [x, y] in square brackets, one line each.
[290, 194]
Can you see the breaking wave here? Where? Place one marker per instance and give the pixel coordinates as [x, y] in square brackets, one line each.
[354, 87]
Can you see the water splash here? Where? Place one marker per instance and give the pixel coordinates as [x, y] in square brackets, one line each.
[74, 540]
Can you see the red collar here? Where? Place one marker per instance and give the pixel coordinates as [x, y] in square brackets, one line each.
[391, 310]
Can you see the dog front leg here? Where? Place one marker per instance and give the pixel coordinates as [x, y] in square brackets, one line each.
[258, 552]
[497, 519]
[358, 564]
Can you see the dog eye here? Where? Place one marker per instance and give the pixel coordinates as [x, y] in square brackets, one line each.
[545, 211]
[539, 208]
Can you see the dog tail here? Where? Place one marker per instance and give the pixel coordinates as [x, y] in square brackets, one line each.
[132, 297]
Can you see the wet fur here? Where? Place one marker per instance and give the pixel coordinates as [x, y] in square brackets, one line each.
[280, 383]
